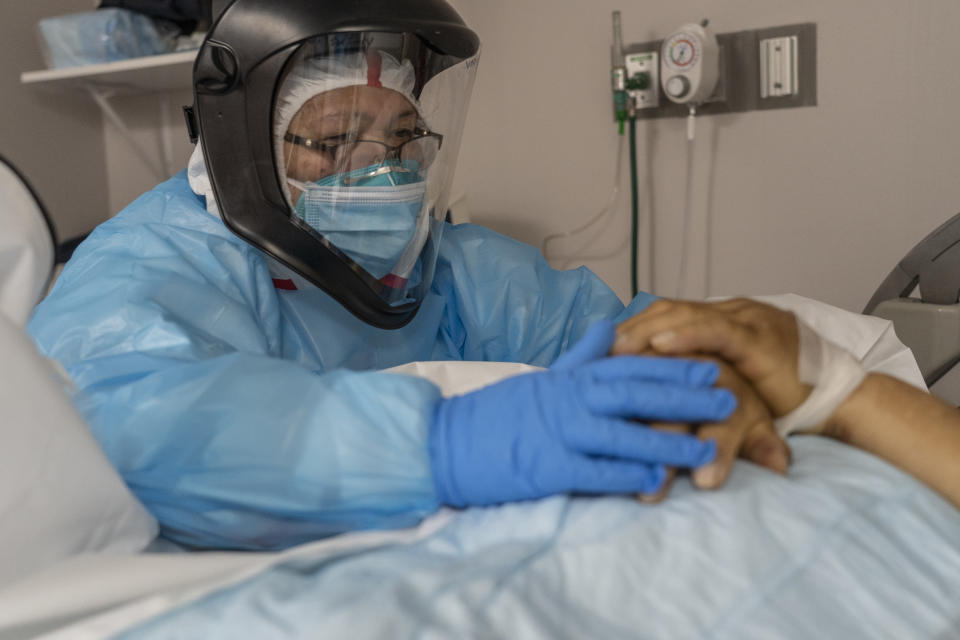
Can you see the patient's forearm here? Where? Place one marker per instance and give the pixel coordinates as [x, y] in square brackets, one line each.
[906, 427]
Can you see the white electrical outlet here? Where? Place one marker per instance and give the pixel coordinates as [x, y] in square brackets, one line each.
[779, 62]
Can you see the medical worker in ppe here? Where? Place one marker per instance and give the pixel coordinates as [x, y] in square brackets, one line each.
[226, 331]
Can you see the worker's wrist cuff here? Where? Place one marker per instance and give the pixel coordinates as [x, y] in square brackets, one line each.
[438, 444]
[832, 372]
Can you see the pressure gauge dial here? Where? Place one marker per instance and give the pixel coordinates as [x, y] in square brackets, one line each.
[683, 50]
[691, 64]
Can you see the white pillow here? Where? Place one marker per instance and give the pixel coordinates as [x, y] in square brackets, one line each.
[59, 495]
[456, 378]
[26, 248]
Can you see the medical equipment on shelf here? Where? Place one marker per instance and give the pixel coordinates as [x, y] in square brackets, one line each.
[930, 324]
[102, 36]
[188, 15]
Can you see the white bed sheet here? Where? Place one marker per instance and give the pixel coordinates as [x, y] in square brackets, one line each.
[126, 590]
[845, 547]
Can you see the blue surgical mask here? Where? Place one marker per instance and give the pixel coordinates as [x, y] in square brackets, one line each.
[370, 214]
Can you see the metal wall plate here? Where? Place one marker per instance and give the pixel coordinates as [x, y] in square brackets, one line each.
[739, 86]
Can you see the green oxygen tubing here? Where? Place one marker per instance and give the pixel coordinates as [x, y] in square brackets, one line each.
[634, 208]
[626, 111]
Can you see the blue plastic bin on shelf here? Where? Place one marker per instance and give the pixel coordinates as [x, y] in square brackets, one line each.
[101, 36]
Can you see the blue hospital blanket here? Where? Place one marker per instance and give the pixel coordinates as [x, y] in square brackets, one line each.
[845, 546]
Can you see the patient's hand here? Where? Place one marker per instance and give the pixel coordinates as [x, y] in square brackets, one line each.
[884, 416]
[748, 433]
[758, 340]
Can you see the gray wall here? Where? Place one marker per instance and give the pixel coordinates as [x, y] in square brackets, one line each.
[818, 201]
[55, 139]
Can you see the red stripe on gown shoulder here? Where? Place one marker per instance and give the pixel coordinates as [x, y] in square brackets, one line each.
[284, 284]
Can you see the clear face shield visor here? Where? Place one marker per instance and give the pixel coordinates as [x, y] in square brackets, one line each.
[366, 131]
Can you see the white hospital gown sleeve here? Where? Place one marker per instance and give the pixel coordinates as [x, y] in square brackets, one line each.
[170, 331]
[505, 303]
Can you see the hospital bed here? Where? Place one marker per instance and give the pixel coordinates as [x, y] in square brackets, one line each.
[921, 296]
[843, 546]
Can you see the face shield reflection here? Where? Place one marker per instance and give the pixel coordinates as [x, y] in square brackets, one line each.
[355, 172]
[356, 153]
[396, 150]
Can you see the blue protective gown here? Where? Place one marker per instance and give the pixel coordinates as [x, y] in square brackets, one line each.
[247, 414]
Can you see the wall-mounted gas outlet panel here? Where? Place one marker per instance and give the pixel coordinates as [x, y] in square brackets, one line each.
[643, 79]
[772, 68]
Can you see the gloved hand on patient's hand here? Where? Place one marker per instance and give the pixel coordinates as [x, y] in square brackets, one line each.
[748, 433]
[759, 341]
[803, 377]
[760, 344]
[569, 429]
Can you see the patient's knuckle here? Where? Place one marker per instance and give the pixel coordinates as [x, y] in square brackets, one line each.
[687, 312]
[762, 323]
[660, 304]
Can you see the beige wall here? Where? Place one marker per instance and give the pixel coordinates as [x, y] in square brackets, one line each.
[154, 120]
[819, 201]
[55, 139]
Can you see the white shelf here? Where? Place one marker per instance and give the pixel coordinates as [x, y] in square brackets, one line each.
[150, 74]
[167, 72]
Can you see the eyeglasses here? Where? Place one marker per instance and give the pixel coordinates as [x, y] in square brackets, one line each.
[422, 147]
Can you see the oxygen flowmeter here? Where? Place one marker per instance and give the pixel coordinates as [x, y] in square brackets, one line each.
[690, 64]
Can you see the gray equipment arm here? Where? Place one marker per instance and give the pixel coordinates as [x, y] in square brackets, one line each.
[930, 325]
[934, 263]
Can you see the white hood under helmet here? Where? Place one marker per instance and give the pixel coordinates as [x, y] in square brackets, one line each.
[306, 81]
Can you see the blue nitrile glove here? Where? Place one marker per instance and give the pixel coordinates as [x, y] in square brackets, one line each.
[567, 429]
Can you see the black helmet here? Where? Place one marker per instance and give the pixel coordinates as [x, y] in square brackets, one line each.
[380, 89]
